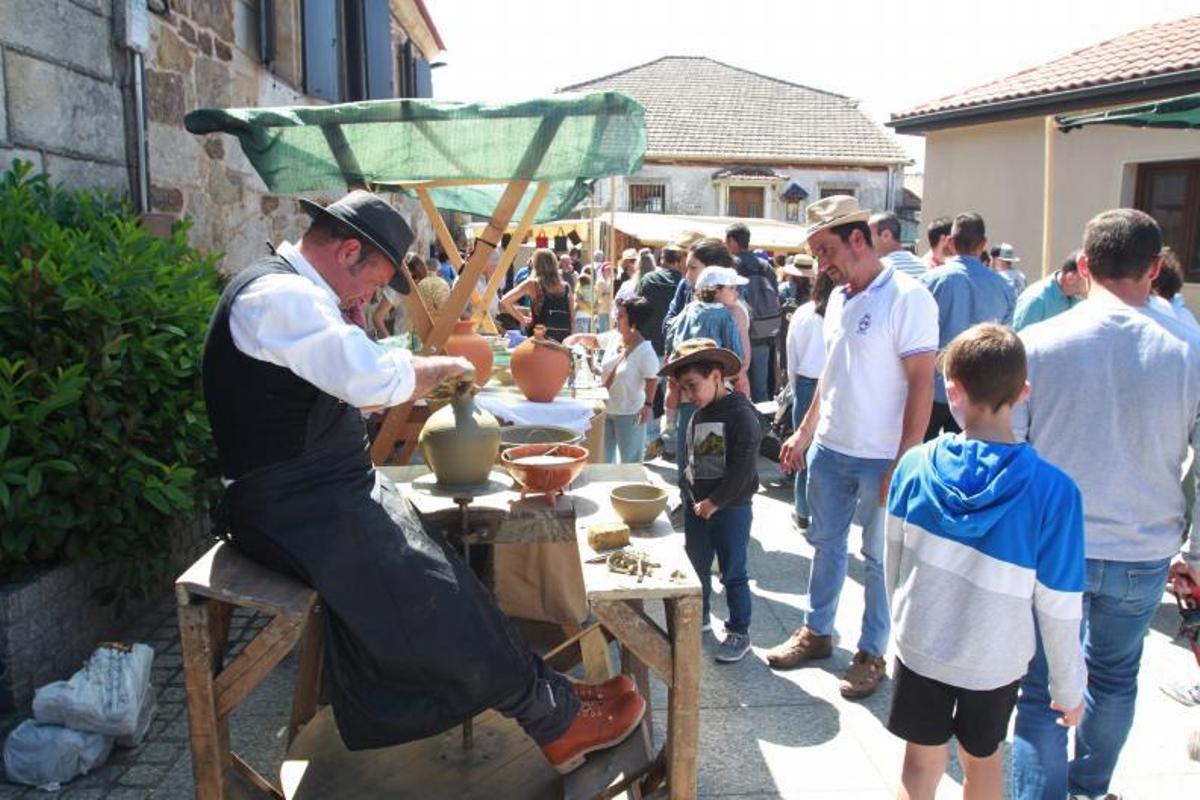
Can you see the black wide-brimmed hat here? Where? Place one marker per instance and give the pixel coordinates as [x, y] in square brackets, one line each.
[380, 226]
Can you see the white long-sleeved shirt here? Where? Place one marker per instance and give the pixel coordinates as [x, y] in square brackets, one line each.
[293, 321]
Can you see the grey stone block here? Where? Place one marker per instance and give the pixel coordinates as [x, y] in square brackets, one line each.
[10, 154]
[62, 110]
[77, 173]
[60, 31]
[3, 103]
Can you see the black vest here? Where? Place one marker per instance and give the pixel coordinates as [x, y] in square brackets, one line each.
[259, 412]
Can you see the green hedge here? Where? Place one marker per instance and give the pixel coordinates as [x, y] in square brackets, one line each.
[104, 443]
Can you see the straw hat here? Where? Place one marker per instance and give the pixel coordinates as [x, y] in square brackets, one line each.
[695, 350]
[1006, 252]
[802, 266]
[629, 254]
[829, 212]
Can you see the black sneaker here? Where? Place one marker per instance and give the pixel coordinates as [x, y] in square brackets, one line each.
[733, 648]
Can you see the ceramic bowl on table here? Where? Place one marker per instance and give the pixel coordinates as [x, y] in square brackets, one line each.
[544, 468]
[513, 435]
[638, 503]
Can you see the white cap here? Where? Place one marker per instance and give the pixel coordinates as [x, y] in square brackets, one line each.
[719, 276]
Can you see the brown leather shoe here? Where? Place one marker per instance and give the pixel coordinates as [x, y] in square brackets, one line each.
[613, 687]
[598, 725]
[863, 677]
[803, 645]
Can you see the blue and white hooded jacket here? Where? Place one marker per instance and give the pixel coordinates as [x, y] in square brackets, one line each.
[981, 537]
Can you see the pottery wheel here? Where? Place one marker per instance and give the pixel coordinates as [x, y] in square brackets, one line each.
[497, 482]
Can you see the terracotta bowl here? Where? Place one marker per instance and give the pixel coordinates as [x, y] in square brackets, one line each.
[544, 468]
[638, 503]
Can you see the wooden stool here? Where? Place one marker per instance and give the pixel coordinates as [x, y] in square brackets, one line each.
[207, 593]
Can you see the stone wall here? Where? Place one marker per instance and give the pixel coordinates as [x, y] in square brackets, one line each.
[61, 104]
[204, 54]
[50, 623]
[65, 105]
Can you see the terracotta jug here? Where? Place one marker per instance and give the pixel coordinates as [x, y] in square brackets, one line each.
[460, 441]
[541, 366]
[470, 345]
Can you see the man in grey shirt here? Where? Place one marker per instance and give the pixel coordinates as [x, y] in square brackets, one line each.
[1115, 404]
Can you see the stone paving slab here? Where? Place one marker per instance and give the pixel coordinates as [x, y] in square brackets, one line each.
[764, 734]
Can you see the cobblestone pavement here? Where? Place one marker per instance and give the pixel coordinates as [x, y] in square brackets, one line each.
[763, 734]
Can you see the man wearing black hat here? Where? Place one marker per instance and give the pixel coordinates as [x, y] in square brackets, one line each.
[413, 642]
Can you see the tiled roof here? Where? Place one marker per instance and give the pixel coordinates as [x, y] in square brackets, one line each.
[703, 109]
[1156, 50]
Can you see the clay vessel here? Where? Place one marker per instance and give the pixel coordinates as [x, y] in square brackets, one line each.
[638, 503]
[460, 442]
[465, 342]
[544, 468]
[540, 366]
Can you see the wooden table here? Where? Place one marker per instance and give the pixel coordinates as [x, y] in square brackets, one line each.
[504, 762]
[617, 601]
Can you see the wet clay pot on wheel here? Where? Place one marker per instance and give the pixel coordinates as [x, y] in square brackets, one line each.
[465, 342]
[460, 442]
[540, 366]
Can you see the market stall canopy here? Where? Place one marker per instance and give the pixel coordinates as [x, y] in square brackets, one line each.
[454, 149]
[1177, 112]
[656, 230]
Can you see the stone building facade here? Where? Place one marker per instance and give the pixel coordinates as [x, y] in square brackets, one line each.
[68, 101]
[735, 143]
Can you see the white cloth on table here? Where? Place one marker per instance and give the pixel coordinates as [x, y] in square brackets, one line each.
[574, 414]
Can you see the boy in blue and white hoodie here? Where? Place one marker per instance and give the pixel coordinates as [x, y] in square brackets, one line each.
[983, 537]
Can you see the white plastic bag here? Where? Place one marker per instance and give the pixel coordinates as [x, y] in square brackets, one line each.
[149, 709]
[48, 755]
[106, 696]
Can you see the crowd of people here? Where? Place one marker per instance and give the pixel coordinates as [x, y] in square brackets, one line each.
[1016, 543]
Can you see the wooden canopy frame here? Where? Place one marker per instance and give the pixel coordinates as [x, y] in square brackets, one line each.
[400, 421]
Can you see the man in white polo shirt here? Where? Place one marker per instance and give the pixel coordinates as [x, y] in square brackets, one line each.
[872, 404]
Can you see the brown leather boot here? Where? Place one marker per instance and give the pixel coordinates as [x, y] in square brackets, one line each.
[803, 645]
[863, 678]
[613, 687]
[600, 724]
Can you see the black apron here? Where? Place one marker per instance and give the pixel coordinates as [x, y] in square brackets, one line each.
[414, 644]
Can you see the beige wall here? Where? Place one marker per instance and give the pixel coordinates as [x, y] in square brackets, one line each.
[997, 170]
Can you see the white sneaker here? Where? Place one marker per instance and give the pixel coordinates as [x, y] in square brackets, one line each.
[1186, 692]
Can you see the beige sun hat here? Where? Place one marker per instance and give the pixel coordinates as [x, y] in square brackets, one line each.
[803, 266]
[829, 212]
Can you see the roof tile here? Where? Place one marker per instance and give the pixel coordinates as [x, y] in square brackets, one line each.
[700, 108]
[1154, 50]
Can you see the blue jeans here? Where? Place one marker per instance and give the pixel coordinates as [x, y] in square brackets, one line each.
[760, 371]
[725, 534]
[683, 418]
[843, 488]
[1119, 600]
[802, 394]
[601, 323]
[625, 433]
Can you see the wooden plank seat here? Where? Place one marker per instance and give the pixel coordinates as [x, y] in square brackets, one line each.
[207, 593]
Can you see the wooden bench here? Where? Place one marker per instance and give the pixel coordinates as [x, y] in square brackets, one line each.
[208, 592]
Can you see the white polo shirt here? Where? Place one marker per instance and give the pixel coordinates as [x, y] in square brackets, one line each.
[863, 385]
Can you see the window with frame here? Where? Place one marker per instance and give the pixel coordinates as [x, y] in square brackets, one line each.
[347, 49]
[1169, 191]
[648, 198]
[830, 191]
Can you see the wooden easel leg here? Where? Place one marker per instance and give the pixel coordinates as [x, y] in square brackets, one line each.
[308, 677]
[683, 698]
[208, 736]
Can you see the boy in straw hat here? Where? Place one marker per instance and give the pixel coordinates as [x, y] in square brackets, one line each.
[720, 480]
[871, 405]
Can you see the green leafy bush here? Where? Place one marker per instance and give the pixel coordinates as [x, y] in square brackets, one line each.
[104, 443]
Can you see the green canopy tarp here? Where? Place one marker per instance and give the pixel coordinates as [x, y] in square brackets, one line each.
[566, 140]
[1177, 112]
